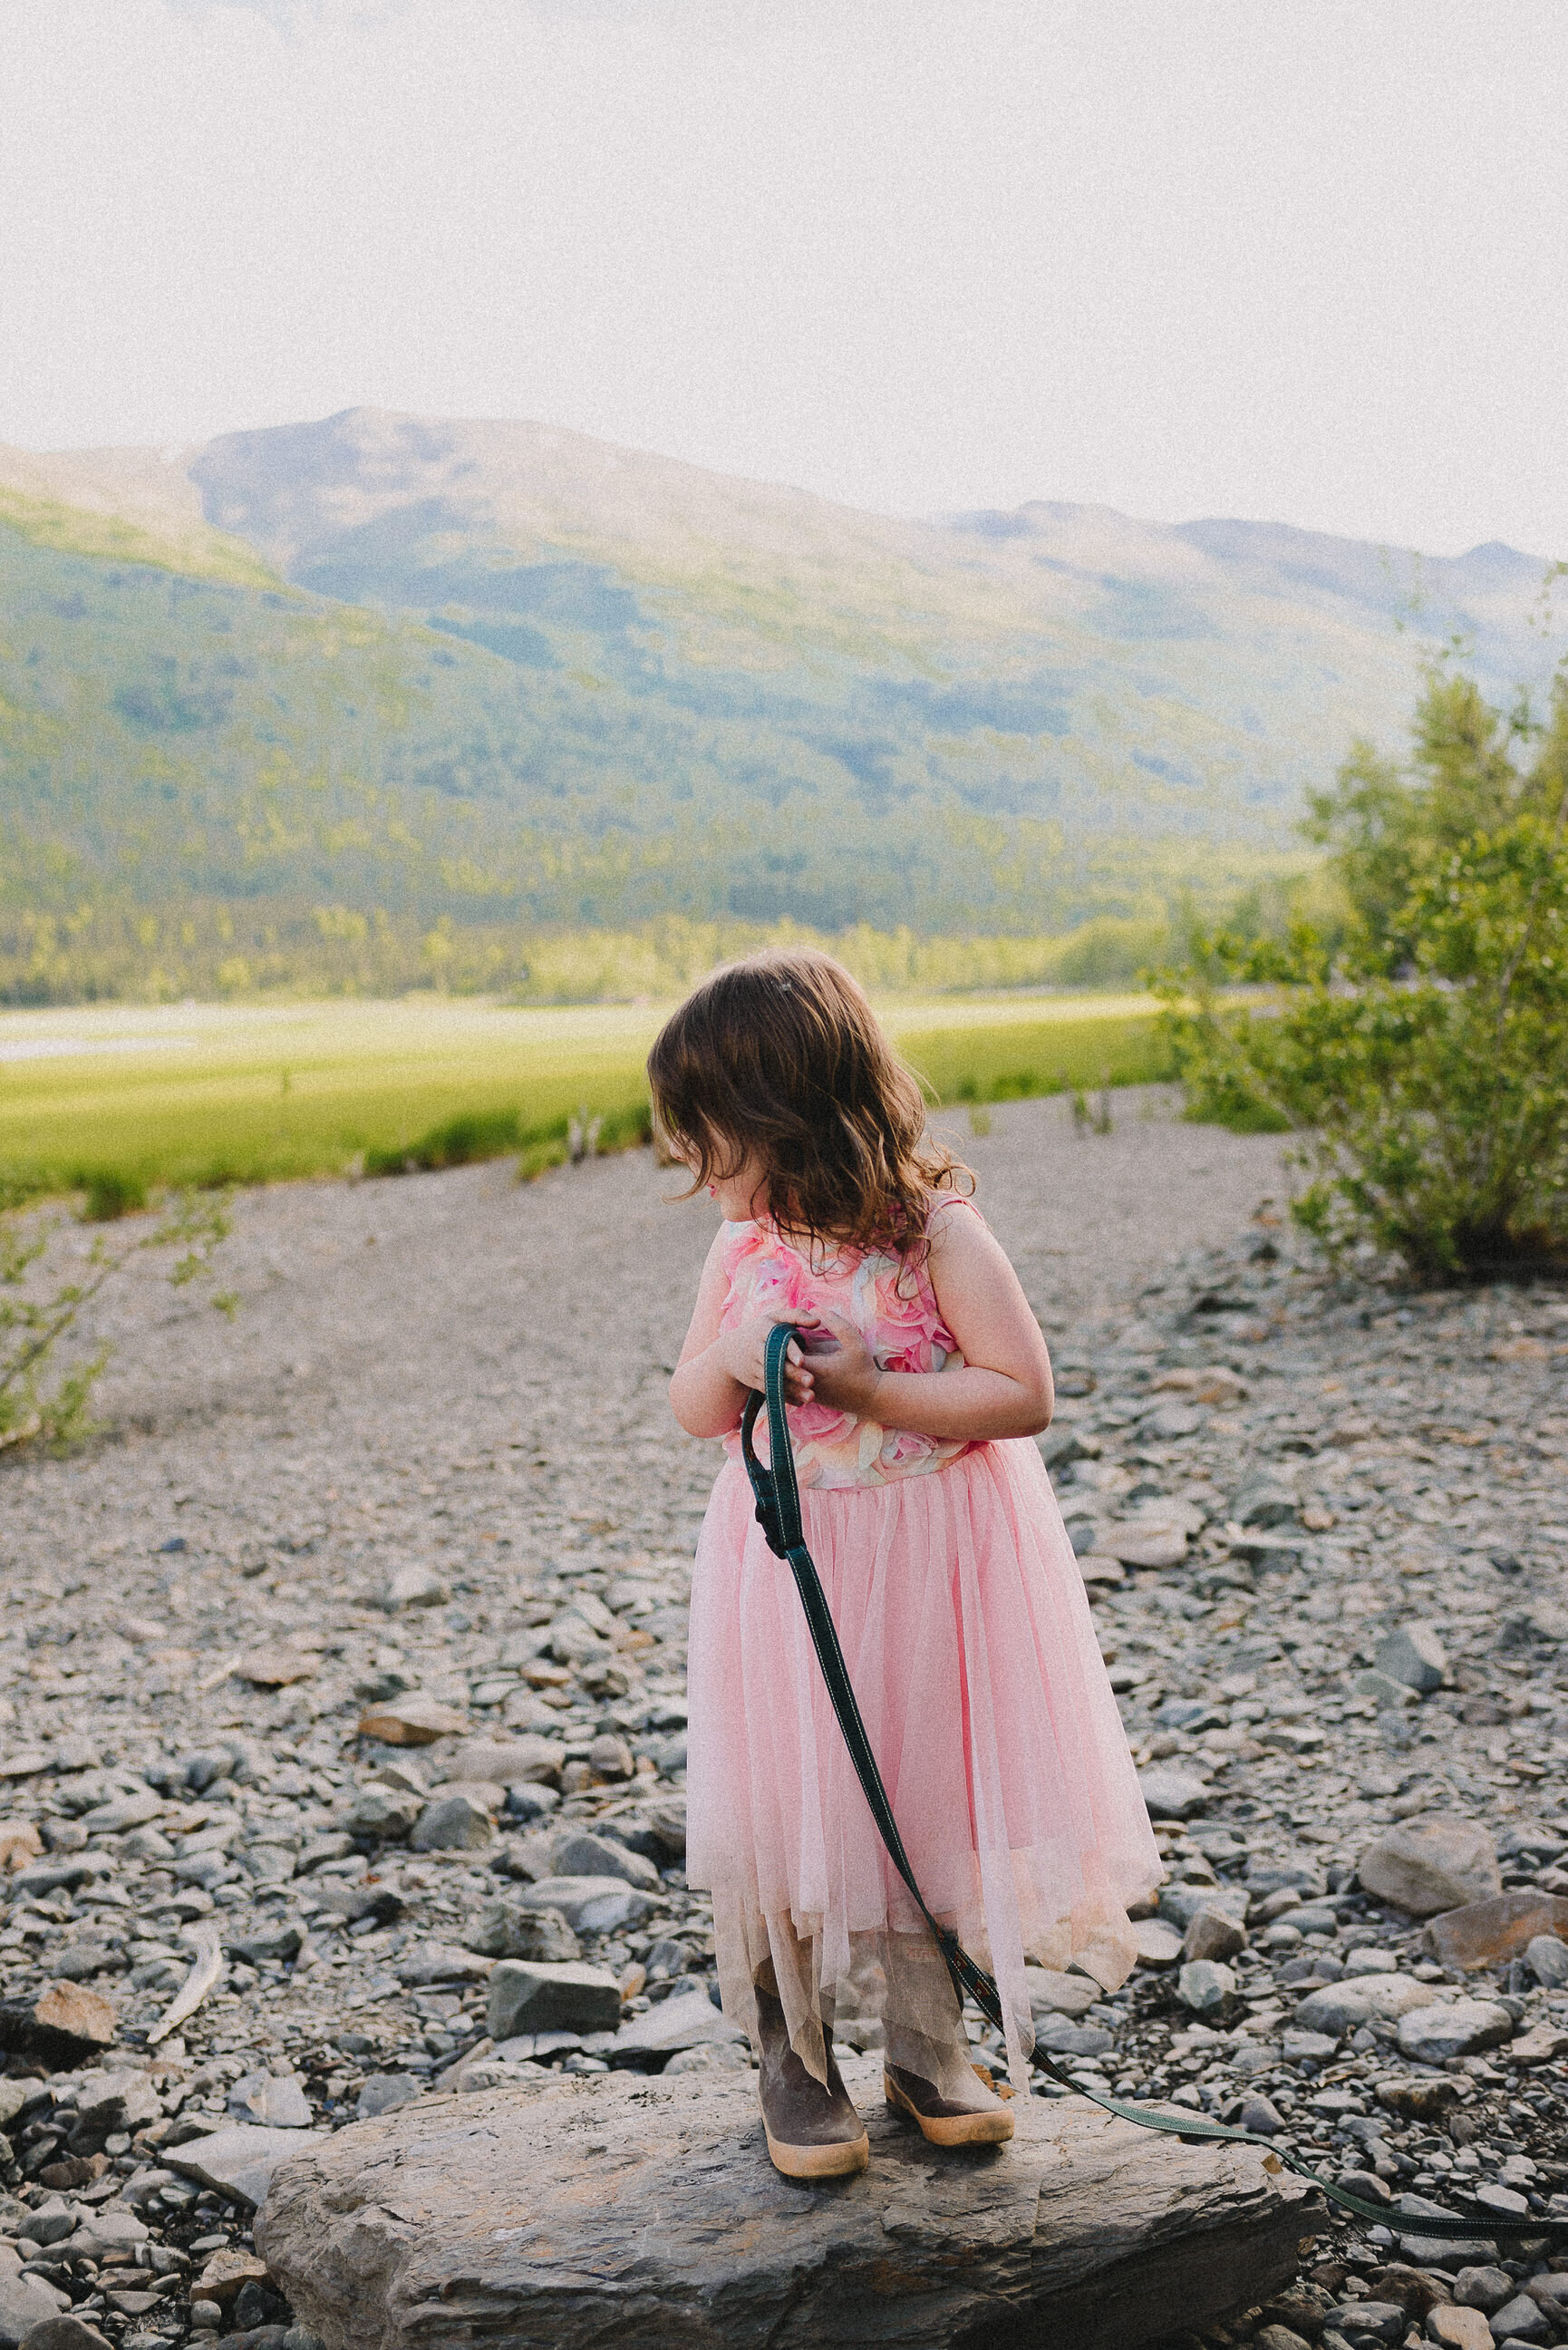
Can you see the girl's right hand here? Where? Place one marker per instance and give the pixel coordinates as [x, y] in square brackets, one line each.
[743, 1349]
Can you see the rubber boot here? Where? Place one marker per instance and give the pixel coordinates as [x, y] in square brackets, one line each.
[812, 2132]
[967, 2115]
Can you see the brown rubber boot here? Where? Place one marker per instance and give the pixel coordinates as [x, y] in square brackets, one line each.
[812, 2132]
[963, 2120]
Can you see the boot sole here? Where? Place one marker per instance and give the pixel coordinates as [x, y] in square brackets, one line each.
[841, 2160]
[951, 2129]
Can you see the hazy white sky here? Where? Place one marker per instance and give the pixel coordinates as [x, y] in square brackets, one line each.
[1301, 259]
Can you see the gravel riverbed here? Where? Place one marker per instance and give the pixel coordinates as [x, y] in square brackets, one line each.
[345, 1672]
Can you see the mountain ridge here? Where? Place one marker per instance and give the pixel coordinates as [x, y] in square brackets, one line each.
[124, 473]
[426, 672]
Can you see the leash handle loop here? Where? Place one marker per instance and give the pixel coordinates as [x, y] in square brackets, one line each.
[777, 1494]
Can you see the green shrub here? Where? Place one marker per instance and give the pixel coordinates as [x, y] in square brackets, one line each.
[42, 1297]
[1111, 951]
[465, 1141]
[1422, 1062]
[111, 1193]
[457, 1142]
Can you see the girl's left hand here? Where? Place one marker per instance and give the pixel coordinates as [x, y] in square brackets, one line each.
[845, 1374]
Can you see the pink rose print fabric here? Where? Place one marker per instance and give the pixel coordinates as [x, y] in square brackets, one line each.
[894, 1308]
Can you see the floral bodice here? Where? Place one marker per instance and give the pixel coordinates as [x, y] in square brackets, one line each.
[897, 1314]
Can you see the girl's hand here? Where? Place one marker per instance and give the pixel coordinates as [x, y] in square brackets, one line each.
[845, 1373]
[741, 1349]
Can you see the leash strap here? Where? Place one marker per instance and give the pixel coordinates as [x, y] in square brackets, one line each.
[777, 1494]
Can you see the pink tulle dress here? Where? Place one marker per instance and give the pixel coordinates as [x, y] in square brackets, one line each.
[968, 1640]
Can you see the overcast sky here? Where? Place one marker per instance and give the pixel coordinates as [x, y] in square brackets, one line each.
[1279, 258]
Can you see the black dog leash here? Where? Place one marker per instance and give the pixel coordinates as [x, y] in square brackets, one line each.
[779, 1515]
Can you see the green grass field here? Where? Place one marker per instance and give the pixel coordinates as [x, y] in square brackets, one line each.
[118, 1100]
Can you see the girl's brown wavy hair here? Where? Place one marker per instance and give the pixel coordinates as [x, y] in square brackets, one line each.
[781, 1054]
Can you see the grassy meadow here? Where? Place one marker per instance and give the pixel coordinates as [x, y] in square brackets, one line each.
[118, 1100]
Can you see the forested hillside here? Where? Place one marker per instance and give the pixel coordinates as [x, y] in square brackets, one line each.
[360, 702]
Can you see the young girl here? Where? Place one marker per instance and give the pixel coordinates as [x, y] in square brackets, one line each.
[915, 1387]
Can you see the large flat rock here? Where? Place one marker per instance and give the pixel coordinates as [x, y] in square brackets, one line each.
[620, 2209]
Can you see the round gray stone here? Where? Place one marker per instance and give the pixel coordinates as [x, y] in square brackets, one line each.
[1547, 1959]
[1204, 1985]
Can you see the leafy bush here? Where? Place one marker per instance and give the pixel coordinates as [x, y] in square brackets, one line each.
[460, 1141]
[1422, 1058]
[111, 1193]
[41, 1298]
[464, 1140]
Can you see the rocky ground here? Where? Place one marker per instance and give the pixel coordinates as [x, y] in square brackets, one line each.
[342, 1681]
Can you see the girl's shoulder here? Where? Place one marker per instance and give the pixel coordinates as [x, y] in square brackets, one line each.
[943, 1201]
[941, 1220]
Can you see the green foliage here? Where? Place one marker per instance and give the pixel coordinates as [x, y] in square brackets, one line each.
[508, 696]
[1094, 1119]
[45, 1283]
[215, 1095]
[1386, 825]
[1022, 1060]
[431, 1081]
[963, 1066]
[111, 1193]
[459, 1142]
[107, 955]
[1110, 952]
[662, 960]
[212, 785]
[1423, 1061]
[466, 1141]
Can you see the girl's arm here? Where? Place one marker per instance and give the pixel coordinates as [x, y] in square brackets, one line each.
[1004, 1387]
[718, 1367]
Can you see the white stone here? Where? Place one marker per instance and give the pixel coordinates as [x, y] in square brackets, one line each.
[687, 2019]
[1172, 1795]
[273, 2100]
[1431, 2036]
[1432, 1862]
[240, 2161]
[413, 1587]
[591, 1905]
[1053, 1992]
[1205, 1985]
[1142, 1542]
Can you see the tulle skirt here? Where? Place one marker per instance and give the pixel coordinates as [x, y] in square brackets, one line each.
[970, 1644]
